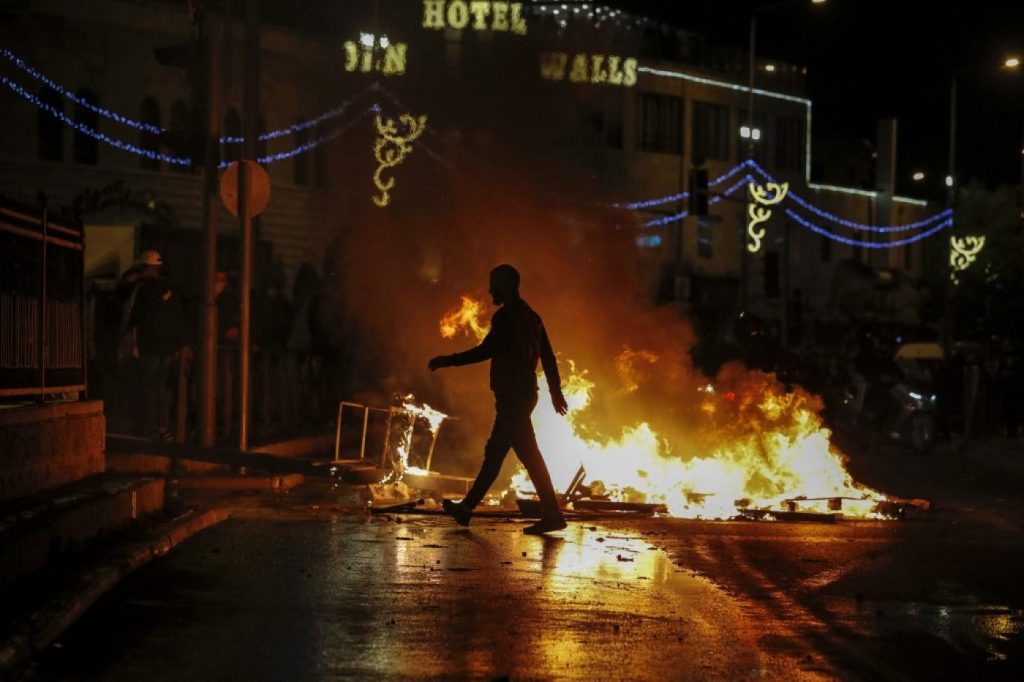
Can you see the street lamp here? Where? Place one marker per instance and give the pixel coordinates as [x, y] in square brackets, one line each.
[752, 50]
[750, 133]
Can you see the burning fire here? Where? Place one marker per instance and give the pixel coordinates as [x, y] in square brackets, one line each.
[410, 412]
[758, 446]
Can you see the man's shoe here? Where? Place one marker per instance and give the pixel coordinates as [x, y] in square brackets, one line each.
[545, 526]
[457, 511]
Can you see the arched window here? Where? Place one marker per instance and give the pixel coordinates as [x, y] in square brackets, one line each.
[86, 147]
[302, 158]
[49, 128]
[181, 125]
[149, 113]
[231, 151]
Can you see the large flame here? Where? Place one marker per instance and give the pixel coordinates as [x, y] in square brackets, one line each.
[759, 447]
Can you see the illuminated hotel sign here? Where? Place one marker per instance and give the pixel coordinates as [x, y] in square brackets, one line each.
[594, 68]
[484, 16]
[388, 58]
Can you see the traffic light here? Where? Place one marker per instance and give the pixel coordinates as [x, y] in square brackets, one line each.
[698, 187]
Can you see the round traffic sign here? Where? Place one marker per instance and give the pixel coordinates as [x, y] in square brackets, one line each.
[258, 188]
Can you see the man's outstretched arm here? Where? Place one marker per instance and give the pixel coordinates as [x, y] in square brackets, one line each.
[550, 365]
[485, 351]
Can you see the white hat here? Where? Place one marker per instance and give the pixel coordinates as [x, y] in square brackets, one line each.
[151, 258]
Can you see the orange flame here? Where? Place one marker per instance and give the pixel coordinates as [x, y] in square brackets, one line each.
[466, 319]
[758, 447]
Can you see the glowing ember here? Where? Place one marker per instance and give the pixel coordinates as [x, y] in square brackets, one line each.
[757, 446]
[409, 413]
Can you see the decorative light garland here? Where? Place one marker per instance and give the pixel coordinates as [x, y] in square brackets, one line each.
[944, 216]
[332, 113]
[86, 130]
[849, 223]
[65, 92]
[947, 223]
[160, 156]
[963, 251]
[634, 205]
[759, 210]
[390, 149]
[312, 144]
[657, 222]
[150, 128]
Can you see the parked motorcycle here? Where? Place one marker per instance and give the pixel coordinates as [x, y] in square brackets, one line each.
[891, 398]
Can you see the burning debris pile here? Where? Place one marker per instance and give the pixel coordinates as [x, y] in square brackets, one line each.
[756, 450]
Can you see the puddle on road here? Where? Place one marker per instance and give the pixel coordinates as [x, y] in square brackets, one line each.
[969, 628]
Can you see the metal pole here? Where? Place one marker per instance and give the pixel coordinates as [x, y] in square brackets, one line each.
[366, 426]
[250, 116]
[951, 194]
[42, 307]
[744, 264]
[210, 29]
[245, 223]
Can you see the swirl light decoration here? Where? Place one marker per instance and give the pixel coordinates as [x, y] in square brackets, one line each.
[759, 211]
[962, 252]
[390, 149]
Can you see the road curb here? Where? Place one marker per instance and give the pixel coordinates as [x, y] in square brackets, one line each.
[48, 622]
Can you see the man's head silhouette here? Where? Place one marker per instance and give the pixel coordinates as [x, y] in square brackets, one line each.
[504, 284]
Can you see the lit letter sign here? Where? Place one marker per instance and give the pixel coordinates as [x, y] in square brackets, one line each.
[433, 13]
[359, 56]
[594, 68]
[456, 14]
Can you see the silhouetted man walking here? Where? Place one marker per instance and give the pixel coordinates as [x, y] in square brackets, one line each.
[516, 341]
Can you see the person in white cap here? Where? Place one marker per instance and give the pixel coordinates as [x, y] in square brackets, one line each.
[158, 325]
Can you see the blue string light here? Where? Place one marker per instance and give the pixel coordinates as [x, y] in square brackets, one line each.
[159, 156]
[64, 92]
[868, 245]
[303, 125]
[884, 229]
[312, 144]
[150, 128]
[86, 130]
[657, 222]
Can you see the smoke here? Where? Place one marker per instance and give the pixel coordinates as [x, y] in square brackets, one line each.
[399, 269]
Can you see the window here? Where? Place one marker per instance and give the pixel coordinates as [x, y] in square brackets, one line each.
[788, 143]
[149, 113]
[86, 147]
[301, 171]
[659, 123]
[231, 151]
[613, 122]
[771, 274]
[181, 126]
[706, 225]
[49, 128]
[710, 131]
[826, 250]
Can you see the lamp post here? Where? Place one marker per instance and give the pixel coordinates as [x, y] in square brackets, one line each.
[1012, 63]
[752, 135]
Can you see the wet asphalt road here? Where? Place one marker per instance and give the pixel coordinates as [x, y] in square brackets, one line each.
[376, 599]
[301, 589]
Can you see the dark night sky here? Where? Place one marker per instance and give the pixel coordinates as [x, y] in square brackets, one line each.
[878, 58]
